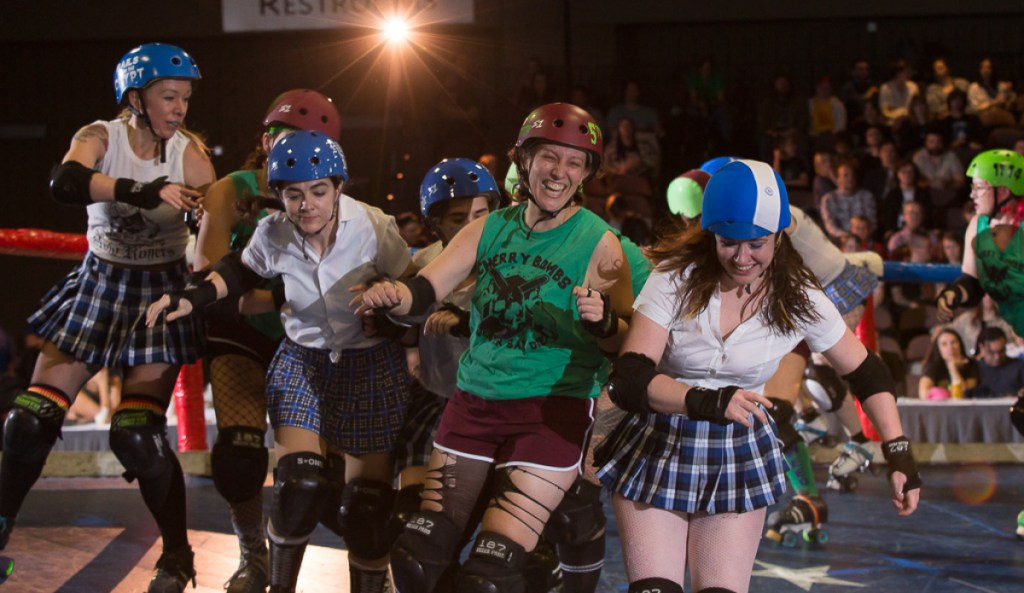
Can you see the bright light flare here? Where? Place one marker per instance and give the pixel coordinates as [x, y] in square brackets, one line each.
[396, 31]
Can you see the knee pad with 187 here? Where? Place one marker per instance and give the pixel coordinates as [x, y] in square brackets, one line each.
[494, 566]
[423, 552]
[366, 507]
[239, 463]
[579, 517]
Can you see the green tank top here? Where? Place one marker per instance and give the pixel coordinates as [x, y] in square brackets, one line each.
[1001, 273]
[639, 266]
[527, 339]
[268, 324]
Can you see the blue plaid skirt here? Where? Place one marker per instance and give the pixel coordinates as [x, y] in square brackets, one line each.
[357, 404]
[416, 440]
[851, 287]
[671, 462]
[97, 316]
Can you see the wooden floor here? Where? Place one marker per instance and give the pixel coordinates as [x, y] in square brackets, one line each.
[82, 535]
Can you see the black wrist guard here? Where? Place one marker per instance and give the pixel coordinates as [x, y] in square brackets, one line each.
[901, 459]
[138, 193]
[627, 386]
[970, 285]
[709, 404]
[200, 296]
[461, 329]
[608, 326]
[69, 183]
[423, 294]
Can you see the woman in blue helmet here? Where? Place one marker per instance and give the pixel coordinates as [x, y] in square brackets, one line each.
[697, 462]
[329, 386]
[135, 175]
[240, 349]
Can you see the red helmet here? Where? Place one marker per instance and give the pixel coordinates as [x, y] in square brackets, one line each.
[566, 124]
[304, 109]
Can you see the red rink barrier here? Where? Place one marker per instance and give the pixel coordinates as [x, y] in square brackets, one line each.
[40, 243]
[869, 337]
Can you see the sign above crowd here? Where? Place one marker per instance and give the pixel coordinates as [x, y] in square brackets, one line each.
[279, 15]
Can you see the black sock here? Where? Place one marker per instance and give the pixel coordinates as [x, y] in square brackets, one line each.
[859, 438]
[165, 496]
[581, 565]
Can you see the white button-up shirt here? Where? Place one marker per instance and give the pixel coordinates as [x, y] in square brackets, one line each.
[316, 313]
[697, 355]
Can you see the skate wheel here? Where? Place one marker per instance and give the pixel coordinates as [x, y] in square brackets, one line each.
[820, 537]
[773, 535]
[789, 539]
[6, 567]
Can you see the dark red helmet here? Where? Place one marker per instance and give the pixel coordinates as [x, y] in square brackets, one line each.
[566, 124]
[304, 109]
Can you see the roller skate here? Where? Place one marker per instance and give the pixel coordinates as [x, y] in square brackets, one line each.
[1020, 525]
[801, 520]
[813, 428]
[6, 526]
[855, 458]
[253, 574]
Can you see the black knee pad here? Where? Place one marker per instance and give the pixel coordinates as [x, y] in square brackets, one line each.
[423, 552]
[239, 463]
[365, 510]
[655, 585]
[299, 494]
[825, 386]
[579, 517]
[32, 427]
[496, 565]
[138, 439]
[407, 504]
[783, 413]
[334, 472]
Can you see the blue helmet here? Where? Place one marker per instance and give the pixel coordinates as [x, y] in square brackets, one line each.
[305, 155]
[745, 200]
[712, 165]
[452, 179]
[149, 62]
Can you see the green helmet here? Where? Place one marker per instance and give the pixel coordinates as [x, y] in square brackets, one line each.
[511, 179]
[686, 193]
[1001, 168]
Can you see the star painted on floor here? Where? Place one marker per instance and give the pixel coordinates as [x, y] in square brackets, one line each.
[801, 577]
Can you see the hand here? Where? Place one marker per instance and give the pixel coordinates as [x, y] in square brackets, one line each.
[181, 197]
[179, 309]
[440, 323]
[381, 295]
[945, 304]
[905, 503]
[589, 303]
[744, 403]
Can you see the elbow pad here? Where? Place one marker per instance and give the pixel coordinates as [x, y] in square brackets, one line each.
[69, 183]
[870, 378]
[627, 386]
[423, 294]
[237, 277]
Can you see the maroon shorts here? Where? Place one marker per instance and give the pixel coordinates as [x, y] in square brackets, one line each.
[543, 432]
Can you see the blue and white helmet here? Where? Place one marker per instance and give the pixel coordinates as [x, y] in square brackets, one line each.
[305, 155]
[452, 179]
[712, 165]
[745, 200]
[150, 62]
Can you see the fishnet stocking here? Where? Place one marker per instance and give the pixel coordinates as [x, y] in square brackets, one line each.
[453, 485]
[238, 385]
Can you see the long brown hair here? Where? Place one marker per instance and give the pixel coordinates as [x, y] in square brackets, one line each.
[785, 301]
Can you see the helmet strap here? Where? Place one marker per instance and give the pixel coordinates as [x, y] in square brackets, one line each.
[144, 116]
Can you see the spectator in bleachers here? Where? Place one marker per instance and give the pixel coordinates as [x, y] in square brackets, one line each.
[706, 91]
[912, 218]
[861, 228]
[645, 117]
[952, 244]
[824, 179]
[944, 84]
[947, 369]
[790, 165]
[890, 215]
[895, 94]
[964, 131]
[826, 113]
[849, 243]
[868, 153]
[858, 90]
[871, 117]
[970, 323]
[846, 200]
[539, 92]
[990, 98]
[1000, 375]
[582, 97]
[939, 167]
[628, 153]
[882, 179]
[910, 133]
[779, 114]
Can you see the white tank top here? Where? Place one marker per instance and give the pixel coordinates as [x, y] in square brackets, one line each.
[128, 235]
[820, 255]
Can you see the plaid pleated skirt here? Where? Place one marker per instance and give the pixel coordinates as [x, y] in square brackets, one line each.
[357, 404]
[416, 440]
[97, 315]
[671, 462]
[851, 287]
